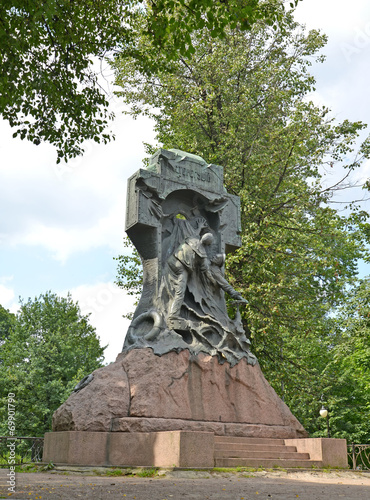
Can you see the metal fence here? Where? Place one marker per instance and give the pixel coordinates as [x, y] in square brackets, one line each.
[359, 456]
[20, 450]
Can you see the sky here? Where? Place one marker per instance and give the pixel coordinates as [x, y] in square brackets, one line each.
[62, 225]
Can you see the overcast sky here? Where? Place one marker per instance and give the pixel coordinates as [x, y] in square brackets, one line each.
[61, 226]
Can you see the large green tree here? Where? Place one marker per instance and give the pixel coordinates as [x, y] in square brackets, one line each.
[50, 53]
[51, 348]
[243, 102]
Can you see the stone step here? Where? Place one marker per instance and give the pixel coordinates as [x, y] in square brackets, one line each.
[255, 454]
[258, 452]
[246, 440]
[265, 462]
[252, 447]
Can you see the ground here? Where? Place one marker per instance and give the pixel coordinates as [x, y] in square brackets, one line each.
[87, 483]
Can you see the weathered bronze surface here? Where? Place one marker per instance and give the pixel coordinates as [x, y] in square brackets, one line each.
[182, 222]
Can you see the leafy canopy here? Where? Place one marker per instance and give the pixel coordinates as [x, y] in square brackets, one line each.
[50, 51]
[348, 370]
[7, 321]
[51, 348]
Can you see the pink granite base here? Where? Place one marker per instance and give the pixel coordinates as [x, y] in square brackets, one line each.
[142, 424]
[142, 392]
[330, 452]
[148, 410]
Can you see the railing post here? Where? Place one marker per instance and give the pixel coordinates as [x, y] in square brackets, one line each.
[33, 451]
[353, 457]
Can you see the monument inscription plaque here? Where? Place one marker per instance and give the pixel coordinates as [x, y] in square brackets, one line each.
[182, 222]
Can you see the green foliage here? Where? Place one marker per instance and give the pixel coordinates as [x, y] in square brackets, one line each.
[7, 322]
[51, 348]
[129, 272]
[348, 371]
[167, 30]
[242, 102]
[49, 466]
[336, 371]
[149, 472]
[50, 54]
[115, 472]
[48, 86]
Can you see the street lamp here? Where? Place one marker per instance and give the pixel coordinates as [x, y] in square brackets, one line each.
[325, 414]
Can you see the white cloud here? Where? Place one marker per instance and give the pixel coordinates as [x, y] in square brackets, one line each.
[364, 174]
[342, 79]
[107, 303]
[337, 18]
[72, 207]
[7, 295]
[105, 230]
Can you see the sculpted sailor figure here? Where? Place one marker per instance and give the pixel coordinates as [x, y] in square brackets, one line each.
[190, 256]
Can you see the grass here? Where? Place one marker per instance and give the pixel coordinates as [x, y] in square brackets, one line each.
[18, 459]
[152, 472]
[145, 472]
[117, 472]
[34, 467]
[237, 469]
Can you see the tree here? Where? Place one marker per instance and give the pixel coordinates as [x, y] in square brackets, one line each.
[50, 50]
[7, 322]
[51, 348]
[242, 102]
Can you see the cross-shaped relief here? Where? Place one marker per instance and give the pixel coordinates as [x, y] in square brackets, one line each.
[182, 222]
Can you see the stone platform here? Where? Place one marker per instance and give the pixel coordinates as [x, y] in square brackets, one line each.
[190, 449]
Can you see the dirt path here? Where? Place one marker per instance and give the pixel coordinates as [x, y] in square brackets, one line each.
[191, 485]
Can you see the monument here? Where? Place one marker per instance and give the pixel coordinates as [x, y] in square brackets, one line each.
[182, 222]
[186, 376]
